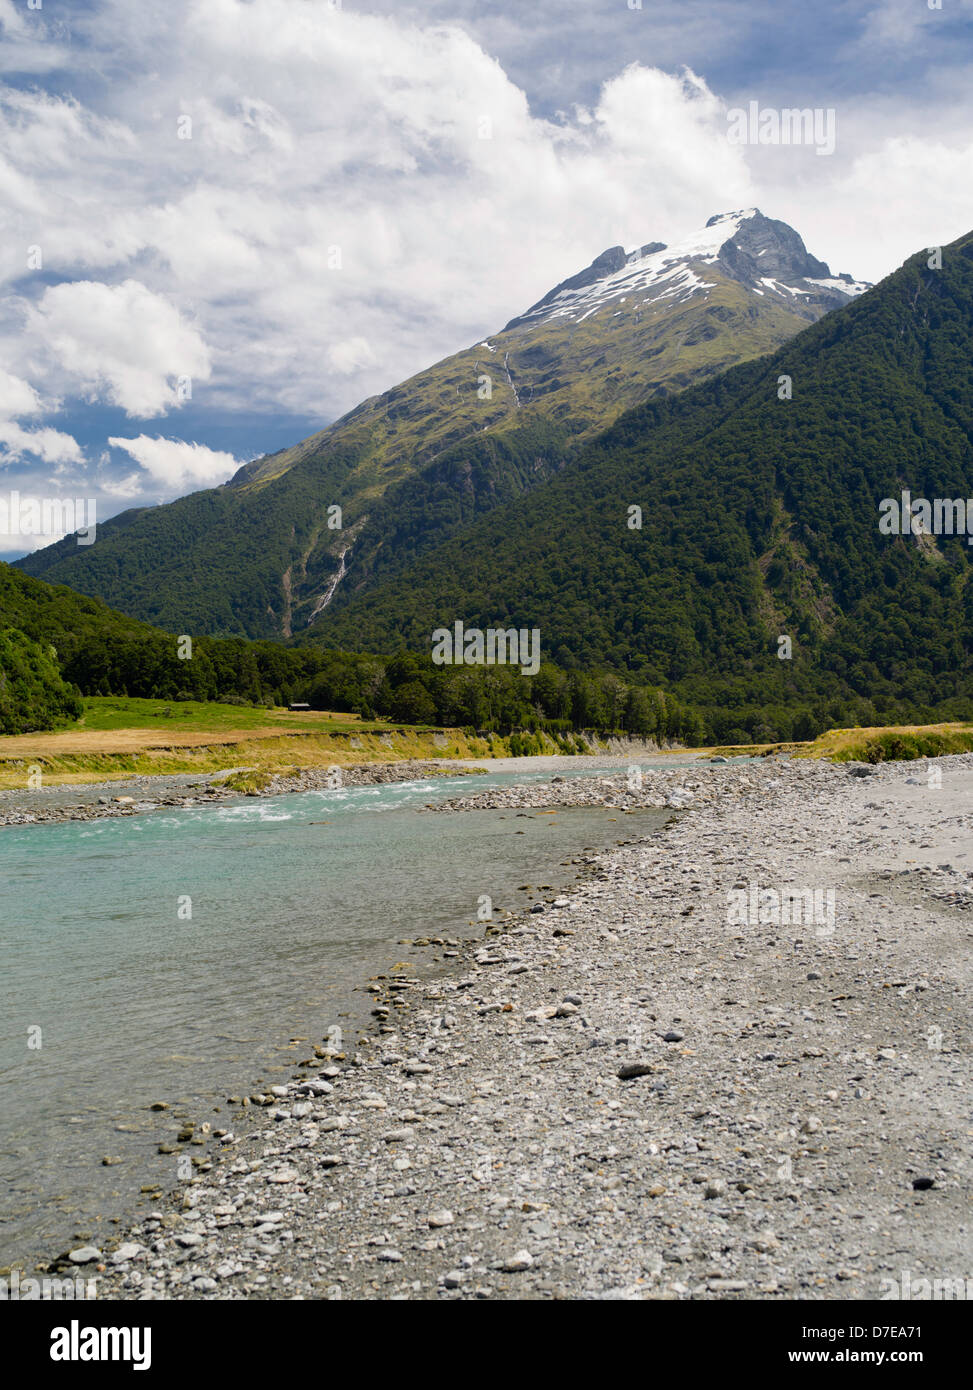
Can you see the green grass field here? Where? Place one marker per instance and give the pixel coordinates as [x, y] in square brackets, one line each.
[107, 713]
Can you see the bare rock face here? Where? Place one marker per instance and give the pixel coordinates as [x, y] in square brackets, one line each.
[768, 254]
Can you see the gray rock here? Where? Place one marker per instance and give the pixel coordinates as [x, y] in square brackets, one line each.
[84, 1254]
[628, 1071]
[126, 1251]
[517, 1263]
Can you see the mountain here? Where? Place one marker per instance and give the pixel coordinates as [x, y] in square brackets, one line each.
[421, 462]
[731, 246]
[760, 520]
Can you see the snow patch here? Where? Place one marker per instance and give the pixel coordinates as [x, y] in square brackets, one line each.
[852, 289]
[655, 273]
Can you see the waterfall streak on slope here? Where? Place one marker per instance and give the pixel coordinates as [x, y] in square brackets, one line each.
[328, 594]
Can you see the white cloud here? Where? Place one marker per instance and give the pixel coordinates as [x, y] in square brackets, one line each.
[49, 445]
[126, 489]
[18, 398]
[120, 343]
[406, 148]
[27, 45]
[179, 466]
[891, 24]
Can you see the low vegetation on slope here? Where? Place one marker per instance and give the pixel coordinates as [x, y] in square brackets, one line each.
[900, 743]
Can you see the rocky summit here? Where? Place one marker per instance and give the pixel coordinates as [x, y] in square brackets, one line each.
[766, 256]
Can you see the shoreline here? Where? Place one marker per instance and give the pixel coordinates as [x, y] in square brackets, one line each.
[619, 1094]
[249, 1026]
[182, 792]
[143, 794]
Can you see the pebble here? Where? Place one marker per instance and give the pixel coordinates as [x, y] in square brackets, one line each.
[516, 1263]
[628, 1071]
[127, 1251]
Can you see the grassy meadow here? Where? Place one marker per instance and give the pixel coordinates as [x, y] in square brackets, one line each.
[119, 738]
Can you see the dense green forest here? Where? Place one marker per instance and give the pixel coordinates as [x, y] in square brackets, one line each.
[410, 689]
[241, 540]
[33, 693]
[759, 519]
[101, 652]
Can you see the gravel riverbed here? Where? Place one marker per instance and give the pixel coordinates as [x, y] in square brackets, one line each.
[654, 1086]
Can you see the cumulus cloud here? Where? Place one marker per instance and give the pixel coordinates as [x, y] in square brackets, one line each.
[121, 343]
[17, 399]
[179, 466]
[354, 197]
[30, 448]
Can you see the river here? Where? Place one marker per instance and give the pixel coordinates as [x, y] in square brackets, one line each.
[181, 957]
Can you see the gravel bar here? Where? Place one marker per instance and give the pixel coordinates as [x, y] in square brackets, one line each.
[651, 1087]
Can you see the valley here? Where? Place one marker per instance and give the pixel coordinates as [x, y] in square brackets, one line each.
[485, 815]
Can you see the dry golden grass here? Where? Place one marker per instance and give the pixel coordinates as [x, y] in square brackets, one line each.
[112, 755]
[884, 743]
[98, 741]
[894, 742]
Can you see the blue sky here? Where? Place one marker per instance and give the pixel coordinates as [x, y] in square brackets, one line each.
[225, 222]
[560, 51]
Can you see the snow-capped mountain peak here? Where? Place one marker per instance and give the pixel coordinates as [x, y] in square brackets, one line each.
[765, 255]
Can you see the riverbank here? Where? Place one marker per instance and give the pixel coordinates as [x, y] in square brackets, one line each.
[140, 795]
[143, 794]
[121, 739]
[190, 955]
[83, 757]
[650, 1086]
